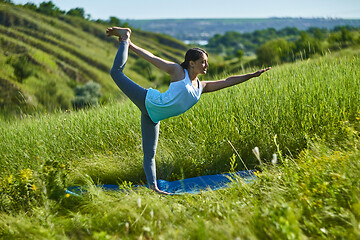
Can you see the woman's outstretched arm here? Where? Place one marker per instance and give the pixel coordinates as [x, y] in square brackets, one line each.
[167, 66]
[211, 86]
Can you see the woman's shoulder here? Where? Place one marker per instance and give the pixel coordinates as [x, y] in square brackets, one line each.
[178, 73]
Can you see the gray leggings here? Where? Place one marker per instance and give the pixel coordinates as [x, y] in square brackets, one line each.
[137, 94]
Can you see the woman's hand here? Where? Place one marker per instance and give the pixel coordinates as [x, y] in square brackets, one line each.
[258, 73]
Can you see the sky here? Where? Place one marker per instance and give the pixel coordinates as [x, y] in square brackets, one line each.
[163, 9]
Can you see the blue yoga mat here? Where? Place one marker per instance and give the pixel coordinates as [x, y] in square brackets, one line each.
[190, 185]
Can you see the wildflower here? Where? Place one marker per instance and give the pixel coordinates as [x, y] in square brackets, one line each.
[67, 195]
[139, 202]
[304, 198]
[257, 173]
[33, 187]
[62, 166]
[323, 186]
[324, 230]
[25, 175]
[274, 160]
[318, 204]
[256, 152]
[9, 179]
[127, 226]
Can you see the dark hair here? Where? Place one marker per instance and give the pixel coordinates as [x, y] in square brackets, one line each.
[192, 54]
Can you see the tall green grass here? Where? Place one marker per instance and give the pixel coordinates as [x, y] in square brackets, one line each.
[314, 196]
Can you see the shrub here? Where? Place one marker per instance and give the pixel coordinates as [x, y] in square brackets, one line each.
[22, 67]
[274, 52]
[87, 95]
[145, 68]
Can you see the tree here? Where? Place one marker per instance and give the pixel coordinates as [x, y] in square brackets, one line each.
[76, 12]
[49, 8]
[318, 33]
[114, 21]
[346, 36]
[239, 54]
[30, 6]
[307, 45]
[274, 52]
[6, 1]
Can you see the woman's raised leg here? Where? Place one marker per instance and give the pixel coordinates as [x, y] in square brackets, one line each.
[135, 92]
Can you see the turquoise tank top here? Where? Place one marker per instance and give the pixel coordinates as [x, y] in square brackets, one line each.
[179, 98]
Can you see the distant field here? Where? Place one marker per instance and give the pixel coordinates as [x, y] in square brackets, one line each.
[203, 29]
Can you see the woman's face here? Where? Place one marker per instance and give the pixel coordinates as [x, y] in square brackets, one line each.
[200, 66]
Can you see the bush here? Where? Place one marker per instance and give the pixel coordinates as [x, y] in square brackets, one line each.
[144, 68]
[50, 95]
[307, 45]
[28, 188]
[274, 52]
[87, 95]
[22, 67]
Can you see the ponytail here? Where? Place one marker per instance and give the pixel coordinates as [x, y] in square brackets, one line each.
[185, 64]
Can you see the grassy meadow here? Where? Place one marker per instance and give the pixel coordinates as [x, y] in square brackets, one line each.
[306, 112]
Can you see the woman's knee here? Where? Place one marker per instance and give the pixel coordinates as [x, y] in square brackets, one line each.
[115, 72]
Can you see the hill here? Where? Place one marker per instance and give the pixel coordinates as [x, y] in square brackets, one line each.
[43, 59]
[201, 30]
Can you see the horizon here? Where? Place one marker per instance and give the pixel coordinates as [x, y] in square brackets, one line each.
[251, 18]
[228, 9]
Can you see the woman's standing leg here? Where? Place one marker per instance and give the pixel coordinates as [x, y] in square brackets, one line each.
[150, 135]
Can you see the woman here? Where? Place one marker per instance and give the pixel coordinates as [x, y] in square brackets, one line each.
[184, 91]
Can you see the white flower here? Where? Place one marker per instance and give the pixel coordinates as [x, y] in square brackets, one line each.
[274, 160]
[256, 152]
[139, 202]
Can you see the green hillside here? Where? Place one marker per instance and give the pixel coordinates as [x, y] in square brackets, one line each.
[43, 59]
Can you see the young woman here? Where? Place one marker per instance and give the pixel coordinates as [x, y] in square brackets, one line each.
[184, 91]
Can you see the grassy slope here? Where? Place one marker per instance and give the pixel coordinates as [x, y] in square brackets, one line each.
[312, 106]
[66, 52]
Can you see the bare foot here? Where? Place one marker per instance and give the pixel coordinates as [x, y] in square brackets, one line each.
[162, 192]
[122, 33]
